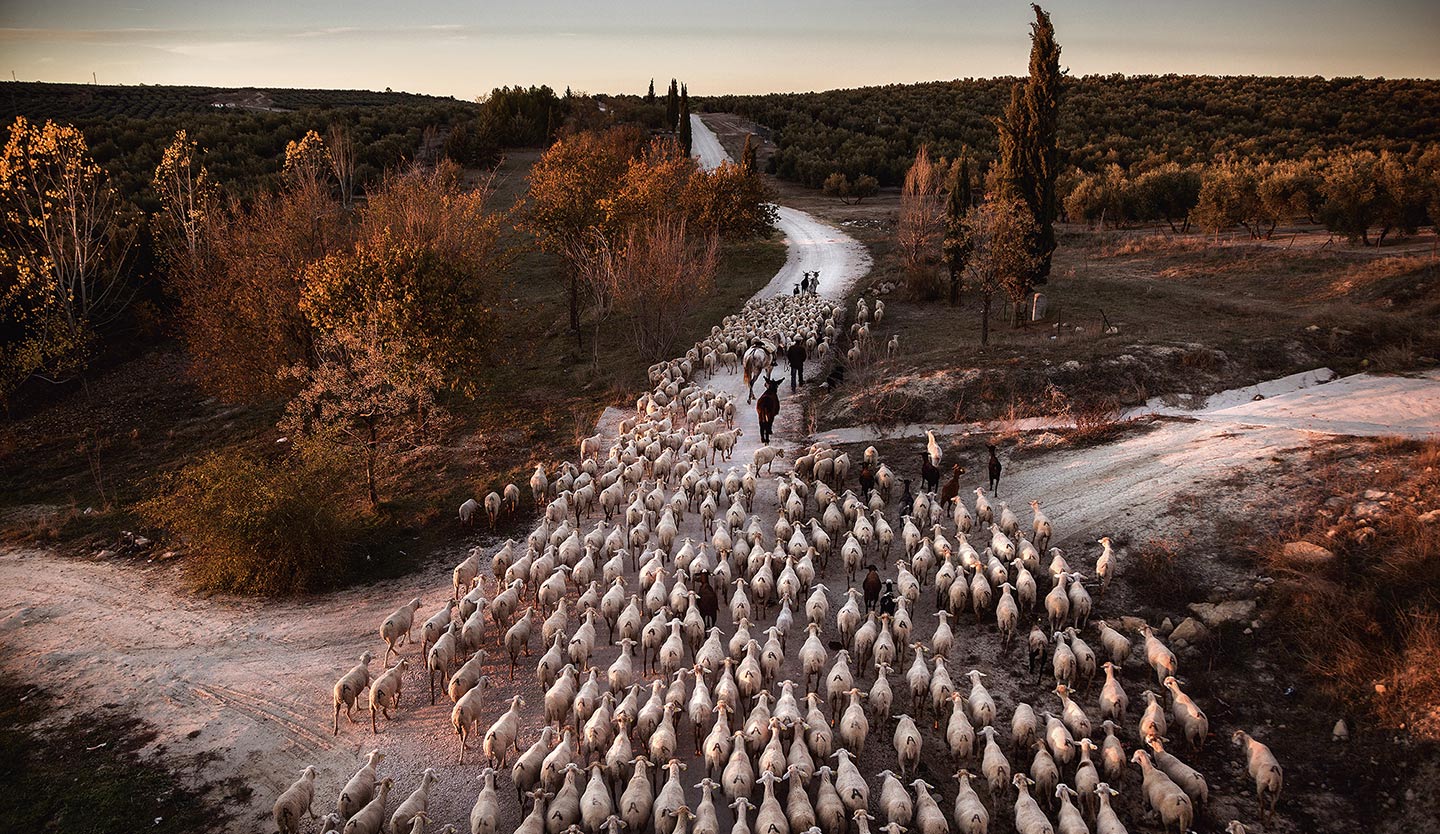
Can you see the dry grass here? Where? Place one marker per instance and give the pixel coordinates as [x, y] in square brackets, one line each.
[1161, 578]
[1367, 623]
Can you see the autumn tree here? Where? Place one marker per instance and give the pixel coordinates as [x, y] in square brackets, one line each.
[654, 183]
[366, 393]
[341, 149]
[1000, 235]
[656, 274]
[240, 311]
[569, 185]
[66, 238]
[730, 203]
[189, 202]
[921, 227]
[957, 245]
[1230, 196]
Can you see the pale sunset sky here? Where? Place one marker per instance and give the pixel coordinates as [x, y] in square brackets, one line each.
[464, 49]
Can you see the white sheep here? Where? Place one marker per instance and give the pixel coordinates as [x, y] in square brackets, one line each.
[297, 800]
[369, 819]
[1265, 769]
[492, 507]
[466, 713]
[485, 814]
[395, 631]
[385, 693]
[358, 792]
[1029, 819]
[1165, 797]
[348, 688]
[468, 511]
[417, 803]
[1189, 717]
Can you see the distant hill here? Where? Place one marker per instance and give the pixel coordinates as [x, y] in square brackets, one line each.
[73, 102]
[1103, 119]
[243, 131]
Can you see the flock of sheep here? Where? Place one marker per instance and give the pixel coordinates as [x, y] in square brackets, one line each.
[668, 591]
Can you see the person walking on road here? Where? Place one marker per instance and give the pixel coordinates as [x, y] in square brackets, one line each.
[795, 355]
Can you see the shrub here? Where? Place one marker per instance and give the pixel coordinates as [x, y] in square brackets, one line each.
[264, 527]
[1161, 576]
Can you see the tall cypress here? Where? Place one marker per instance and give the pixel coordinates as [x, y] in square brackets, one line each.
[672, 104]
[958, 243]
[1027, 161]
[1042, 104]
[683, 128]
[747, 156]
[650, 96]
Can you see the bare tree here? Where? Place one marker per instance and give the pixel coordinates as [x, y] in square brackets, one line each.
[342, 162]
[922, 222]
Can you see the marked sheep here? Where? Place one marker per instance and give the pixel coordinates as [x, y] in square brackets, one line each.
[358, 792]
[348, 688]
[385, 693]
[395, 631]
[297, 799]
[415, 804]
[370, 819]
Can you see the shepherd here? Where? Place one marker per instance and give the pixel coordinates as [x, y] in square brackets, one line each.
[795, 355]
[767, 407]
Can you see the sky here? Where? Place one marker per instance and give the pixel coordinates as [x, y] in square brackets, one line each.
[464, 48]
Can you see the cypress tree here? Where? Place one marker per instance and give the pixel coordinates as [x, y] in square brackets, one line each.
[686, 138]
[672, 104]
[747, 156]
[1042, 104]
[958, 242]
[650, 96]
[1027, 161]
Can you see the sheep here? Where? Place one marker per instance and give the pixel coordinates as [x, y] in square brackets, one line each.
[1158, 656]
[596, 806]
[348, 688]
[468, 511]
[466, 713]
[416, 803]
[1152, 722]
[1265, 769]
[385, 693]
[1029, 819]
[396, 628]
[1188, 778]
[525, 774]
[1070, 819]
[511, 498]
[564, 808]
[504, 733]
[1106, 564]
[1106, 822]
[970, 814]
[907, 744]
[433, 627]
[853, 789]
[1113, 700]
[369, 819]
[358, 792]
[1116, 645]
[994, 764]
[297, 799]
[1165, 797]
[485, 814]
[1112, 753]
[517, 638]
[1191, 720]
[441, 658]
[929, 819]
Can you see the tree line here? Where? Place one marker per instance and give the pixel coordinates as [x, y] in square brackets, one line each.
[1109, 119]
[1352, 193]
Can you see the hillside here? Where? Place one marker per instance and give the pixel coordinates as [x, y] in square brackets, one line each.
[1103, 119]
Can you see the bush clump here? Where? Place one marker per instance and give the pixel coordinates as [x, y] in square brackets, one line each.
[263, 526]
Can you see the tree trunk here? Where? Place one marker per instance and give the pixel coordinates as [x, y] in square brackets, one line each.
[371, 450]
[985, 320]
[575, 308]
[954, 286]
